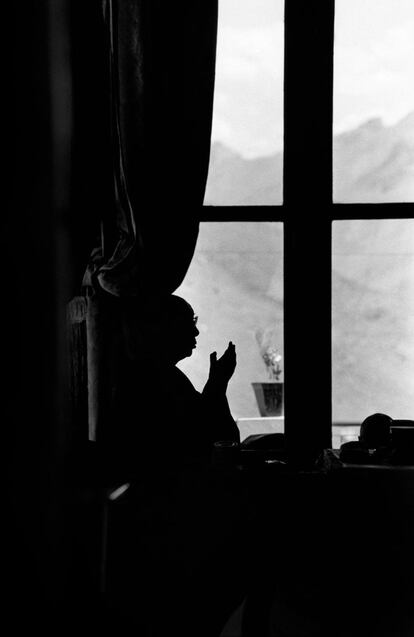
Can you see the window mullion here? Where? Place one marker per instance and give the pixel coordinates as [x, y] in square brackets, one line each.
[308, 209]
[242, 213]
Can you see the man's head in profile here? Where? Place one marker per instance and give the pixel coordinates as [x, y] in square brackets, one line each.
[163, 327]
[179, 321]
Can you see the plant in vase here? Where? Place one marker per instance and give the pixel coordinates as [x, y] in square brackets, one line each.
[269, 395]
[272, 359]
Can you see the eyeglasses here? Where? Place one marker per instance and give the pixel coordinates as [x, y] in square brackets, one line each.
[183, 320]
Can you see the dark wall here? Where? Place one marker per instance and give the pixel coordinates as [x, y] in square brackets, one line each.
[36, 249]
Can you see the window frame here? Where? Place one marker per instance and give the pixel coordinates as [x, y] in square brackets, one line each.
[307, 161]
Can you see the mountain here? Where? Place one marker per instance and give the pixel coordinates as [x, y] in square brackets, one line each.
[375, 163]
[235, 285]
[234, 180]
[372, 163]
[373, 318]
[235, 281]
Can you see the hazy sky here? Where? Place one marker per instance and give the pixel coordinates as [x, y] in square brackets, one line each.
[374, 69]
[248, 105]
[374, 61]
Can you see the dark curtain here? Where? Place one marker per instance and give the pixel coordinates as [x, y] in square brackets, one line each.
[161, 59]
[143, 94]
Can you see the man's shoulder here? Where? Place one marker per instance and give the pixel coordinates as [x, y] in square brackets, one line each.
[182, 381]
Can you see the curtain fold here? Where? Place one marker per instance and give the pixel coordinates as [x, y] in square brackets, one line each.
[161, 59]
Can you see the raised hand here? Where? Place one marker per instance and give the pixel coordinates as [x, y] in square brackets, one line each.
[222, 369]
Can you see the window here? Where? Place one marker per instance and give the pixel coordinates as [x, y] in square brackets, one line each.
[235, 282]
[374, 101]
[235, 285]
[316, 264]
[373, 163]
[247, 135]
[373, 318]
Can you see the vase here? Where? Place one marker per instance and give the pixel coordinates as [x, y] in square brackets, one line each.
[269, 397]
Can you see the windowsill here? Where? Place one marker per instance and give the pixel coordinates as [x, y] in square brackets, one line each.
[258, 425]
[269, 425]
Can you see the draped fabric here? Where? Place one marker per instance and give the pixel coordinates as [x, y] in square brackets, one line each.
[157, 99]
[161, 60]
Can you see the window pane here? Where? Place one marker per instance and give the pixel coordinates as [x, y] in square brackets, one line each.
[247, 135]
[373, 151]
[235, 285]
[373, 319]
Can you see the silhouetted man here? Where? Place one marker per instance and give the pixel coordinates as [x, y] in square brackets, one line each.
[159, 418]
[177, 558]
